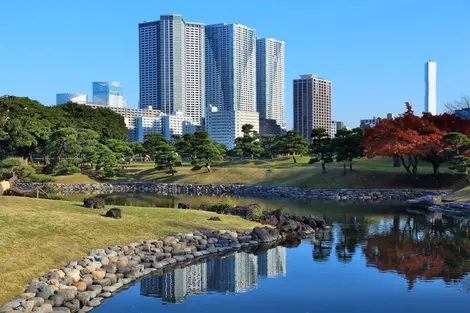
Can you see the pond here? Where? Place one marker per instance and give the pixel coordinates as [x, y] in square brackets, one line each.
[378, 257]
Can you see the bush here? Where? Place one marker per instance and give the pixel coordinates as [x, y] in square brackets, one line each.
[256, 214]
[314, 160]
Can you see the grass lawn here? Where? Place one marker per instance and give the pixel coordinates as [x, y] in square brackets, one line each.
[39, 235]
[376, 173]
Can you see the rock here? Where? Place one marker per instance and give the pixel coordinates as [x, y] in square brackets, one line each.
[68, 293]
[183, 206]
[266, 234]
[114, 213]
[425, 201]
[94, 302]
[103, 282]
[61, 309]
[214, 218]
[105, 294]
[81, 286]
[93, 203]
[74, 274]
[110, 268]
[83, 297]
[44, 294]
[38, 301]
[98, 274]
[73, 305]
[85, 309]
[57, 299]
[122, 261]
[46, 308]
[95, 288]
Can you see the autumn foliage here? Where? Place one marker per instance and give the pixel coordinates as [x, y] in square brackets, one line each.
[412, 138]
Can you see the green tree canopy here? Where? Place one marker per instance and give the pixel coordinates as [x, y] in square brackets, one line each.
[321, 147]
[347, 145]
[249, 143]
[163, 152]
[293, 144]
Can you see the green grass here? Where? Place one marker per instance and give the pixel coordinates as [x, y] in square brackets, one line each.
[39, 235]
[376, 173]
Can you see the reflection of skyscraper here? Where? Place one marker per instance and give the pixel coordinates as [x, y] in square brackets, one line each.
[272, 263]
[233, 274]
[175, 286]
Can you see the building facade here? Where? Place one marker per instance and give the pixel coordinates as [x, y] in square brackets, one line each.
[269, 127]
[231, 67]
[225, 126]
[312, 105]
[148, 125]
[369, 122]
[177, 124]
[79, 98]
[270, 79]
[130, 117]
[108, 94]
[430, 87]
[172, 66]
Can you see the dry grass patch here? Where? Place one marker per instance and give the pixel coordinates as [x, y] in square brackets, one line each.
[39, 235]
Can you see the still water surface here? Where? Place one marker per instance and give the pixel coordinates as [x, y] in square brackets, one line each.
[378, 258]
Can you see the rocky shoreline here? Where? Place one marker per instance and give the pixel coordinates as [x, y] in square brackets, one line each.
[84, 284]
[240, 190]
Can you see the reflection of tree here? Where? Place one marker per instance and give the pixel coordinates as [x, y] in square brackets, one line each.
[421, 250]
[322, 244]
[353, 231]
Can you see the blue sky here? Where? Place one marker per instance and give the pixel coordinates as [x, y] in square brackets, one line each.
[372, 50]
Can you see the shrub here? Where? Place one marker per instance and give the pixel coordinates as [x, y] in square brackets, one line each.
[256, 214]
[314, 160]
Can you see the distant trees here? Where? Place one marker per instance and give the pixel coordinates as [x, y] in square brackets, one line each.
[347, 145]
[462, 103]
[293, 144]
[163, 152]
[321, 147]
[249, 144]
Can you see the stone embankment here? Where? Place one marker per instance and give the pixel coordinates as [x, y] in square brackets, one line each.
[241, 190]
[82, 285]
[435, 204]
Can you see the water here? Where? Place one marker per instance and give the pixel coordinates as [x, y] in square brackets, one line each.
[377, 258]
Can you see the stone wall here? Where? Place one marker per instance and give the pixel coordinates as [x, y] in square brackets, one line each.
[241, 190]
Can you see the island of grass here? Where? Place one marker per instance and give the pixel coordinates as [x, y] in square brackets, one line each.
[39, 235]
[366, 173]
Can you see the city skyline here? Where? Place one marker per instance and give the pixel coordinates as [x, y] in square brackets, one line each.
[387, 69]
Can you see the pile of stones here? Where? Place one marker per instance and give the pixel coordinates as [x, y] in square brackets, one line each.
[303, 194]
[82, 285]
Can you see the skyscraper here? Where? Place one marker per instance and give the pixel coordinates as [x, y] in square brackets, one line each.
[270, 79]
[430, 86]
[78, 98]
[312, 105]
[171, 61]
[108, 94]
[231, 67]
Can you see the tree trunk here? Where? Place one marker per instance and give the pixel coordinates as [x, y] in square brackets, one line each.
[208, 167]
[252, 156]
[344, 168]
[350, 165]
[435, 169]
[406, 166]
[323, 167]
[295, 160]
[396, 161]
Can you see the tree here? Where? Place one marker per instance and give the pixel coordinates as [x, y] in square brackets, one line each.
[200, 148]
[108, 163]
[271, 144]
[20, 170]
[321, 146]
[163, 152]
[293, 144]
[137, 148]
[63, 151]
[90, 146]
[398, 137]
[249, 143]
[462, 103]
[347, 145]
[25, 128]
[120, 148]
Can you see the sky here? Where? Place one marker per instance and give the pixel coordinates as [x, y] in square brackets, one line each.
[373, 51]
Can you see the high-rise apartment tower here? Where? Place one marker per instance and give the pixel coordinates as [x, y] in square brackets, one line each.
[270, 79]
[172, 66]
[312, 105]
[430, 86]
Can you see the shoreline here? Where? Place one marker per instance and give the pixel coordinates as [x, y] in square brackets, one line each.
[260, 191]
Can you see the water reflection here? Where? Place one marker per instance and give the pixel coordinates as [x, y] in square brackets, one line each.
[234, 274]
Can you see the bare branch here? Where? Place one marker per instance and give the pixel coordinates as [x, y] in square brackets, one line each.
[462, 103]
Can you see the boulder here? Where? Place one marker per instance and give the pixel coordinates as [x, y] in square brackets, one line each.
[266, 234]
[114, 213]
[94, 203]
[183, 206]
[214, 218]
[425, 201]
